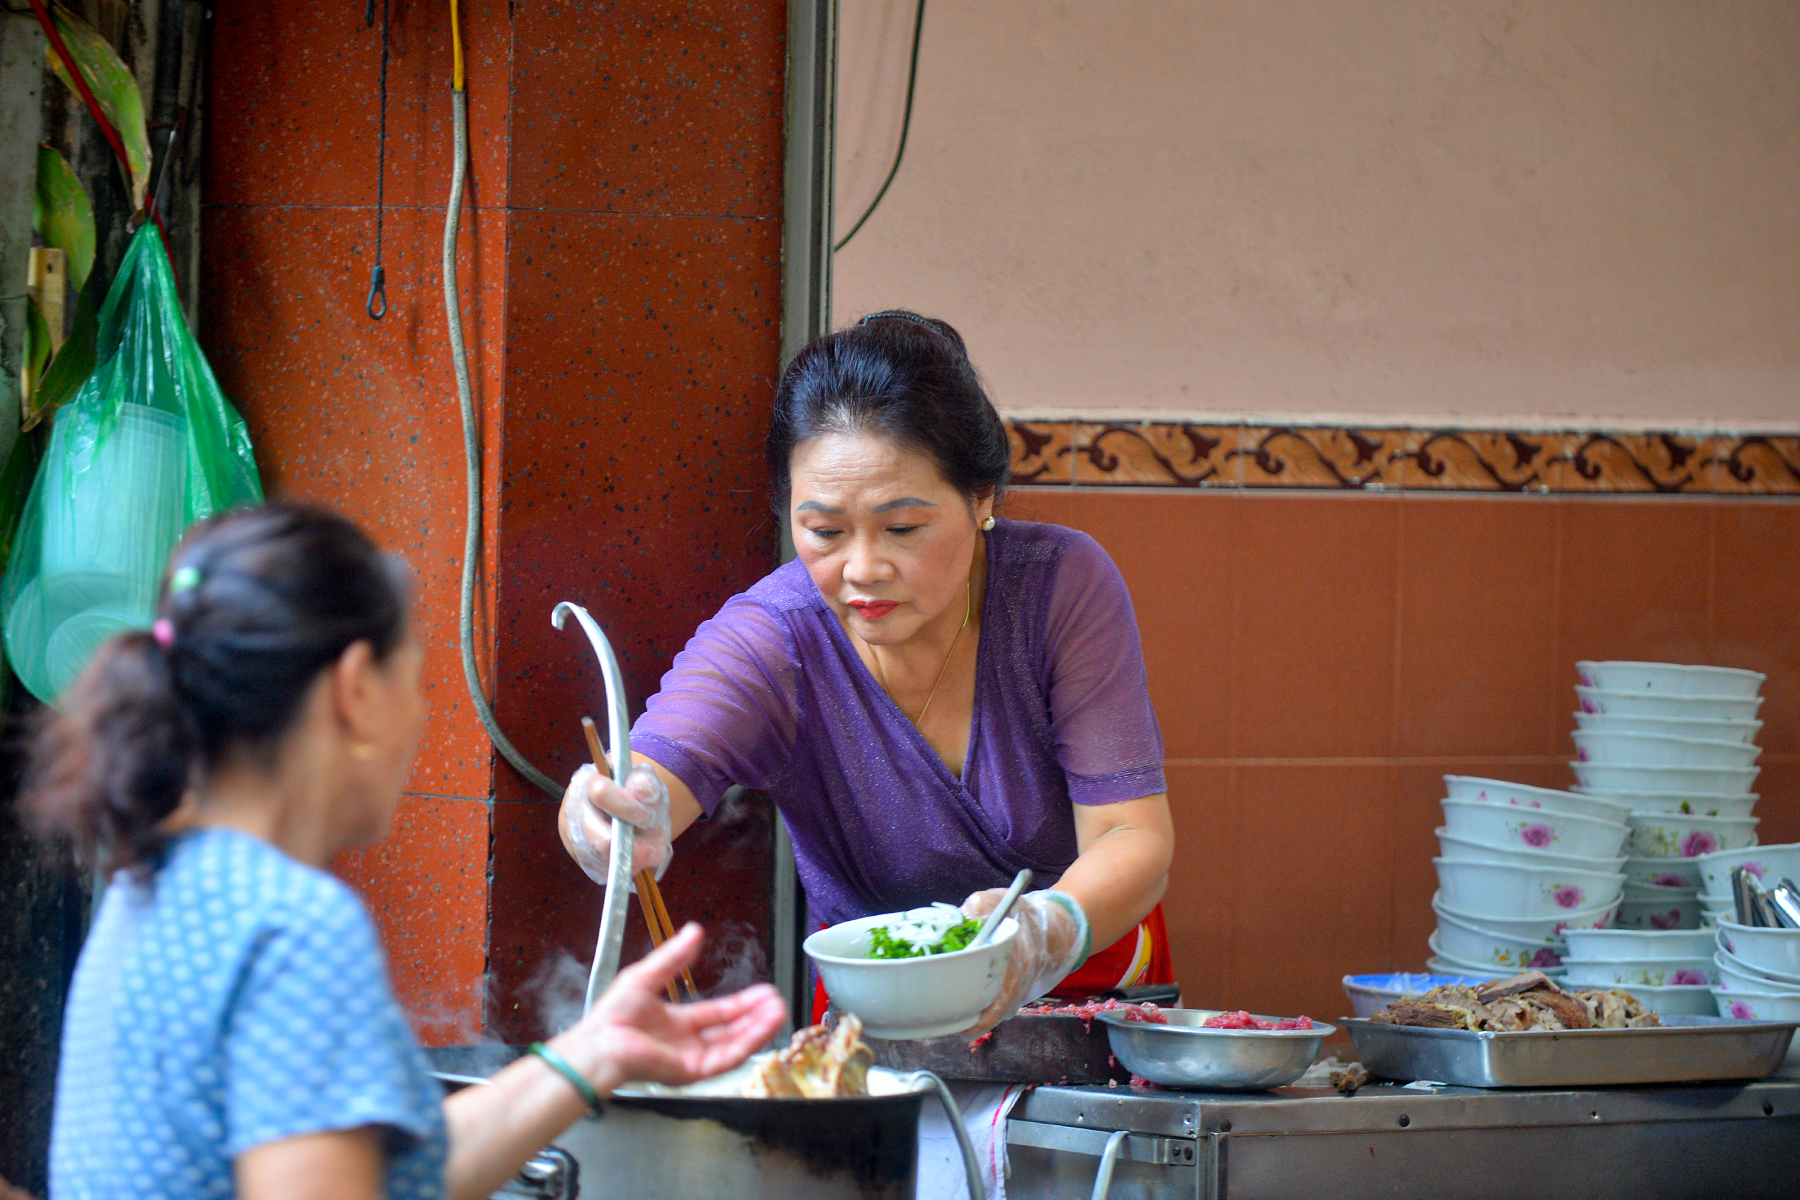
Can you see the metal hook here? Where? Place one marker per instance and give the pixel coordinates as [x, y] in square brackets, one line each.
[1108, 1159]
[971, 1166]
[618, 875]
[378, 292]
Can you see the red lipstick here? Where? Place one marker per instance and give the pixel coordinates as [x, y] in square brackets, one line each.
[874, 610]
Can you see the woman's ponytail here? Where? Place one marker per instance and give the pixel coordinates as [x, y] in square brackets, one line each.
[256, 604]
[113, 763]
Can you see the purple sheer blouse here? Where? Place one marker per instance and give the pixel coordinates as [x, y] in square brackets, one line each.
[771, 694]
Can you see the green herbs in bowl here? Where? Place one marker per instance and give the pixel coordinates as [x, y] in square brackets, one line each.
[939, 929]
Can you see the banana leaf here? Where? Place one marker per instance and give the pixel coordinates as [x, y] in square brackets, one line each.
[37, 350]
[75, 361]
[113, 86]
[62, 215]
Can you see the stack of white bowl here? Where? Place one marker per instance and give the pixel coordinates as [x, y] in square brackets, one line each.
[1521, 866]
[1676, 745]
[1671, 971]
[1769, 864]
[1759, 972]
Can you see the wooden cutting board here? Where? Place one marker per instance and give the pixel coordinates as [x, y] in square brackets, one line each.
[1023, 1049]
[1055, 1048]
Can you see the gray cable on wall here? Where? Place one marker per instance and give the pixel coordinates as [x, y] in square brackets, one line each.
[472, 461]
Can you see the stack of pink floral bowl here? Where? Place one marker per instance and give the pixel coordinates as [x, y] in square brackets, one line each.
[1671, 971]
[1520, 866]
[1676, 746]
[1759, 972]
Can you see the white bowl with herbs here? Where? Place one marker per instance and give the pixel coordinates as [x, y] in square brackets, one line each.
[911, 974]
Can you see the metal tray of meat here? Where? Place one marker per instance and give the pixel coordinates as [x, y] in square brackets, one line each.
[1683, 1050]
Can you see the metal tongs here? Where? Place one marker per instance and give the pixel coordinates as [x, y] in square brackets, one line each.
[618, 872]
[1776, 907]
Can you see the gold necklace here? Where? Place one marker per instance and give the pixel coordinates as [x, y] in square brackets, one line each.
[919, 721]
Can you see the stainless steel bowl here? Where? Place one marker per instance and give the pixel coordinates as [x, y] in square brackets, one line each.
[1182, 1054]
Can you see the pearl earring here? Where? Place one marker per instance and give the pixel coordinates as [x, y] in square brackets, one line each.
[987, 526]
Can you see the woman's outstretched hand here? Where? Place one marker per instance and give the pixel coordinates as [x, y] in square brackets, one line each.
[591, 802]
[633, 1033]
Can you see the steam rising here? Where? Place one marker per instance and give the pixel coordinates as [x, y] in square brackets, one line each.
[558, 989]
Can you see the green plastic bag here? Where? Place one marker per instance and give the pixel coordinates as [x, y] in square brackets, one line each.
[148, 446]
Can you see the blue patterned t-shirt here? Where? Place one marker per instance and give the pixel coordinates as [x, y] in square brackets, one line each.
[234, 998]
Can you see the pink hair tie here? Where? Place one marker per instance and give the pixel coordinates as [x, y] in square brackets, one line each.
[164, 632]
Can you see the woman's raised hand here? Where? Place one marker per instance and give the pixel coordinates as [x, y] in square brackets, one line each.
[593, 800]
[632, 1033]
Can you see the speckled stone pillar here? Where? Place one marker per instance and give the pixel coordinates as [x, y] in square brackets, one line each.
[620, 270]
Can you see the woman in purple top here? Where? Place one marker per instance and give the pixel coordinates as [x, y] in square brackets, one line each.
[934, 697]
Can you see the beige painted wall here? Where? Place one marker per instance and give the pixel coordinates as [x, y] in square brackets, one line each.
[1561, 210]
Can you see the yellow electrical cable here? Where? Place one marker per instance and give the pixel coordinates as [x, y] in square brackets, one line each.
[456, 57]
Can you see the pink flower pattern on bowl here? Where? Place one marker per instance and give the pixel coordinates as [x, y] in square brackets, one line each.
[1741, 1011]
[1588, 706]
[1581, 754]
[1669, 879]
[1668, 920]
[1537, 834]
[1697, 843]
[1545, 957]
[1687, 977]
[1567, 896]
[1755, 868]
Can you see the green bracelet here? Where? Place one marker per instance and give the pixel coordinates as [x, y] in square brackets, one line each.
[560, 1065]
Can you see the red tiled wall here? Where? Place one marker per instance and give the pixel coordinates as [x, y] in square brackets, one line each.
[620, 271]
[1318, 662]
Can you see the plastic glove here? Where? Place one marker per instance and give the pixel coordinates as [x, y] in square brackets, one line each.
[1053, 940]
[589, 806]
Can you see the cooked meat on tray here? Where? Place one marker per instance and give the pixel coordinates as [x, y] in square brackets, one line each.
[1525, 1002]
[818, 1062]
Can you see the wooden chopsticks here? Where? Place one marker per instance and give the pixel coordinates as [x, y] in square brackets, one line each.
[656, 913]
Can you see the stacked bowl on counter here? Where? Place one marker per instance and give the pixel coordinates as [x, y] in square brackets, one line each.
[1675, 746]
[1758, 972]
[1520, 867]
[1671, 971]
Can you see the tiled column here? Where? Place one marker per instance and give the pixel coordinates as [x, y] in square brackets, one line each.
[620, 259]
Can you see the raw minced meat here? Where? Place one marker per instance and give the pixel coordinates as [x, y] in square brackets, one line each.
[1149, 1014]
[1243, 1020]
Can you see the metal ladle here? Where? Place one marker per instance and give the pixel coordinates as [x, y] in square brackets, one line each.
[624, 836]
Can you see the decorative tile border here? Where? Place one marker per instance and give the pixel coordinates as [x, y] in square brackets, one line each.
[1177, 454]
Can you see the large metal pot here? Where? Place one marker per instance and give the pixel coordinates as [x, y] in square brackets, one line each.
[706, 1141]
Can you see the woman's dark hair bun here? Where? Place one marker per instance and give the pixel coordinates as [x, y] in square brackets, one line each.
[905, 377]
[256, 604]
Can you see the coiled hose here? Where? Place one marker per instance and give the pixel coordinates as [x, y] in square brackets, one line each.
[471, 431]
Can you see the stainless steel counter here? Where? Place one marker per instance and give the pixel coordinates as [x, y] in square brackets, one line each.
[1651, 1143]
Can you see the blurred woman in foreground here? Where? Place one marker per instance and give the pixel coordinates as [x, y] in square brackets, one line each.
[230, 1029]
